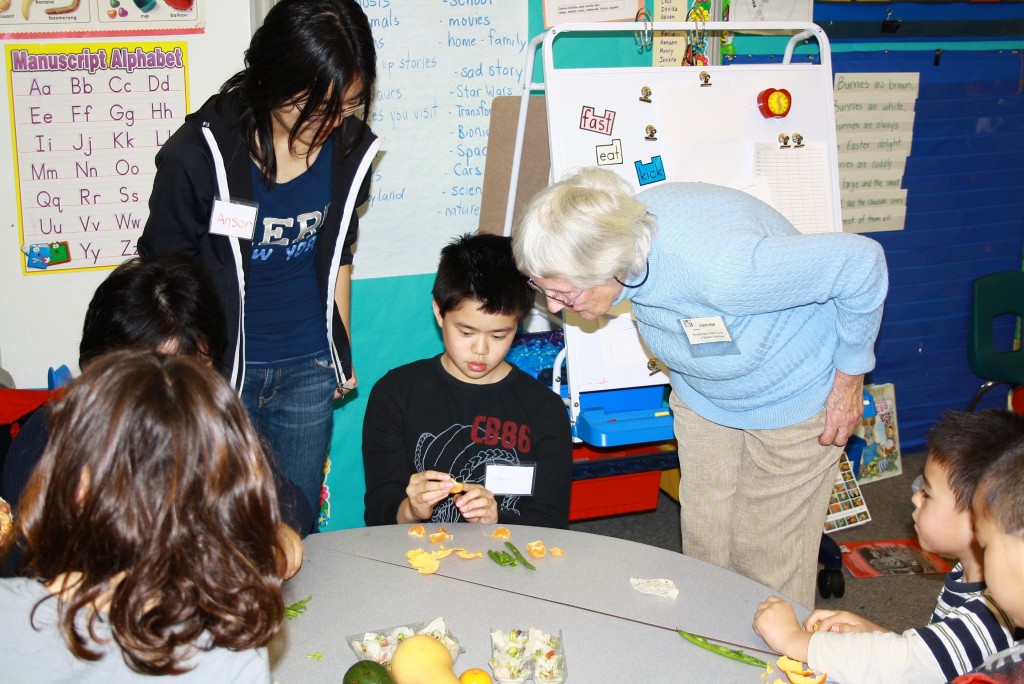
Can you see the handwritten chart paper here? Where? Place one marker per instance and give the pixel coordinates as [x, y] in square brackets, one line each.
[439, 67]
[87, 122]
[874, 133]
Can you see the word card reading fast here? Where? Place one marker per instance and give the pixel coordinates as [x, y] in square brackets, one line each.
[88, 120]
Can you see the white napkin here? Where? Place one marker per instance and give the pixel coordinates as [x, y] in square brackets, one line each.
[655, 587]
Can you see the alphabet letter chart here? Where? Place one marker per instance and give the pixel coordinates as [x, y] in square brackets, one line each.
[87, 121]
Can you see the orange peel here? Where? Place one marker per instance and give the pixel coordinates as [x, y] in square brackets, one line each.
[463, 553]
[795, 678]
[439, 536]
[423, 561]
[536, 549]
[501, 533]
[557, 552]
[417, 531]
[797, 672]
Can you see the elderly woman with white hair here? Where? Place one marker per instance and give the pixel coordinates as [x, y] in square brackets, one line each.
[767, 334]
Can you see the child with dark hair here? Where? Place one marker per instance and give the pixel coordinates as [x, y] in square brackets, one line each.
[150, 529]
[440, 434]
[999, 526]
[966, 625]
[165, 305]
[261, 187]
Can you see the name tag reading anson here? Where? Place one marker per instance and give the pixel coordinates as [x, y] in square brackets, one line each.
[233, 219]
[706, 329]
[510, 479]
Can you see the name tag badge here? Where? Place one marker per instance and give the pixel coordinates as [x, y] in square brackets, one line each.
[706, 329]
[510, 479]
[233, 219]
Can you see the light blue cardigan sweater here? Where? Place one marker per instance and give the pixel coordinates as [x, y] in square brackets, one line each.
[798, 307]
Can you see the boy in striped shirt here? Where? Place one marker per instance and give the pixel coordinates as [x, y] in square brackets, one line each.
[966, 626]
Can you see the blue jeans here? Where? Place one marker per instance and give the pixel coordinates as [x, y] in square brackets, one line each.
[291, 406]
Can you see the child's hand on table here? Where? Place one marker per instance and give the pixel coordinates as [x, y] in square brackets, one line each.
[839, 621]
[776, 622]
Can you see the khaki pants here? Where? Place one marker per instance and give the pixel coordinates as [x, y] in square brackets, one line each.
[754, 501]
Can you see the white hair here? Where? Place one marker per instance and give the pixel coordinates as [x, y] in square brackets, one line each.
[587, 228]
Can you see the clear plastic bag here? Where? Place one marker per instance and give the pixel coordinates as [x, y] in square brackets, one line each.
[520, 655]
[379, 645]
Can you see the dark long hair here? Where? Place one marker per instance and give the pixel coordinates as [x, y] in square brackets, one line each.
[154, 472]
[309, 52]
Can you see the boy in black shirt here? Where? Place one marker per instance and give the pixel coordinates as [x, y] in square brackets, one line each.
[466, 436]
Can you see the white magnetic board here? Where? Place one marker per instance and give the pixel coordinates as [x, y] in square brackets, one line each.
[704, 124]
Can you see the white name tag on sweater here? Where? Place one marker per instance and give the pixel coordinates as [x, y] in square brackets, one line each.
[706, 329]
[233, 219]
[510, 479]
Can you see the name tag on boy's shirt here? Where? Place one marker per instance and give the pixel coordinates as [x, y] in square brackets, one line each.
[233, 219]
[510, 479]
[706, 329]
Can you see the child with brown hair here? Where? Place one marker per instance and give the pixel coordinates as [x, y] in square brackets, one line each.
[150, 527]
[966, 625]
[999, 526]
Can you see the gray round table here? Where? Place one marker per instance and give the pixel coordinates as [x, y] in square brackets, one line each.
[360, 581]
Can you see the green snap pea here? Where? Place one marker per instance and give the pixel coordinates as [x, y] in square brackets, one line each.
[519, 557]
[731, 653]
[502, 558]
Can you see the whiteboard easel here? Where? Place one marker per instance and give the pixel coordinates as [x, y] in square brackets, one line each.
[699, 124]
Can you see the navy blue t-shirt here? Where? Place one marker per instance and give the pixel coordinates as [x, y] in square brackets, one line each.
[285, 318]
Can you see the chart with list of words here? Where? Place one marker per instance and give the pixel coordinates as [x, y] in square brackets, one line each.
[87, 123]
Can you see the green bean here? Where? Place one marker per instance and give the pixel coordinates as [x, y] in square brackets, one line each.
[519, 557]
[731, 653]
[502, 558]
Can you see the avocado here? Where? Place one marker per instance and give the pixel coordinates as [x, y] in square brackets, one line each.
[367, 672]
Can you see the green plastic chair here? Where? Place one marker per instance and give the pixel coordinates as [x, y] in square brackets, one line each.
[995, 295]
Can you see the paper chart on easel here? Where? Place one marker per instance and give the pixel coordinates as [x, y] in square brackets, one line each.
[797, 177]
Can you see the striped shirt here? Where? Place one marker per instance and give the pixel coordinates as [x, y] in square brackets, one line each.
[966, 626]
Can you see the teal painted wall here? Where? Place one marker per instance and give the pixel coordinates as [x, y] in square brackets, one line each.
[392, 324]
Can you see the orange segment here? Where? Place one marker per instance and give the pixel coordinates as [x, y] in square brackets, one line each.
[458, 487]
[417, 531]
[439, 536]
[502, 533]
[536, 549]
[557, 552]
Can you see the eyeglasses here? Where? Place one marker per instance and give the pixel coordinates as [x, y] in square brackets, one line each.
[352, 111]
[559, 297]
